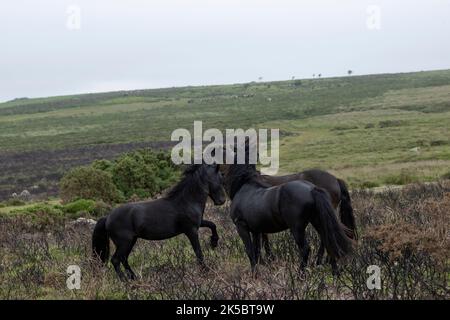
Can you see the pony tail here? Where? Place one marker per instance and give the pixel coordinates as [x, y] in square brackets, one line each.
[100, 241]
[332, 232]
[346, 210]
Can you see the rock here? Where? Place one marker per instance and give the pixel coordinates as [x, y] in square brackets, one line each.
[82, 222]
[91, 222]
[25, 195]
[415, 149]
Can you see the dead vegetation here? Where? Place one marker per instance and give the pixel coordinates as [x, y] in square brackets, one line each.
[404, 232]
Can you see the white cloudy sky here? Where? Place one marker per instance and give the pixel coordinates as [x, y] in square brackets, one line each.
[147, 44]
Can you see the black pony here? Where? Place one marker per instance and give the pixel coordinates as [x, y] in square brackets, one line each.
[258, 208]
[181, 211]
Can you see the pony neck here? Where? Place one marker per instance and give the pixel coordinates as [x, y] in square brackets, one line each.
[238, 176]
[191, 193]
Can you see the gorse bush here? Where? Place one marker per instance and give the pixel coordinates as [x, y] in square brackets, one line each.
[135, 175]
[88, 183]
[142, 173]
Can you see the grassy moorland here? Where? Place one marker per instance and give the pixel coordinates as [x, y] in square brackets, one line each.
[370, 130]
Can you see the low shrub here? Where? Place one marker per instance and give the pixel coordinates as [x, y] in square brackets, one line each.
[391, 123]
[42, 215]
[369, 184]
[101, 209]
[76, 207]
[86, 208]
[13, 202]
[403, 231]
[41, 208]
[403, 178]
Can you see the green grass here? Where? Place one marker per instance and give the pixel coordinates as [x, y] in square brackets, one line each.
[362, 128]
[23, 209]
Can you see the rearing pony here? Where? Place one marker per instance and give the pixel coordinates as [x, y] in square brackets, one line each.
[258, 208]
[181, 211]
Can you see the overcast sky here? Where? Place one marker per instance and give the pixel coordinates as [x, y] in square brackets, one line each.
[63, 47]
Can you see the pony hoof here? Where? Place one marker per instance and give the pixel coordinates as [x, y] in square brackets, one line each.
[123, 278]
[336, 273]
[214, 242]
[204, 267]
[132, 277]
[254, 272]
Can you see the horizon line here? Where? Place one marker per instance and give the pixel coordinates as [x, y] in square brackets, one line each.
[213, 85]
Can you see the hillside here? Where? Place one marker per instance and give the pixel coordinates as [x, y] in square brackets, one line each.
[370, 130]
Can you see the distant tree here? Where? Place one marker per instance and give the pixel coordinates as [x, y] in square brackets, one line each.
[349, 72]
[260, 78]
[293, 78]
[319, 75]
[314, 75]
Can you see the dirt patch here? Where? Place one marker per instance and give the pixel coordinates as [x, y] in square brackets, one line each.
[39, 171]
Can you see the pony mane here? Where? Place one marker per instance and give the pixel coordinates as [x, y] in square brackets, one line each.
[240, 174]
[189, 183]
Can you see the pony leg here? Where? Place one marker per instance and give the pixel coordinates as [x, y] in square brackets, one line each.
[257, 246]
[215, 235]
[334, 267]
[193, 238]
[302, 243]
[123, 249]
[320, 254]
[127, 267]
[245, 236]
[265, 240]
[115, 260]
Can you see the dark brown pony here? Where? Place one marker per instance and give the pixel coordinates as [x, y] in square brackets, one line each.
[337, 190]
